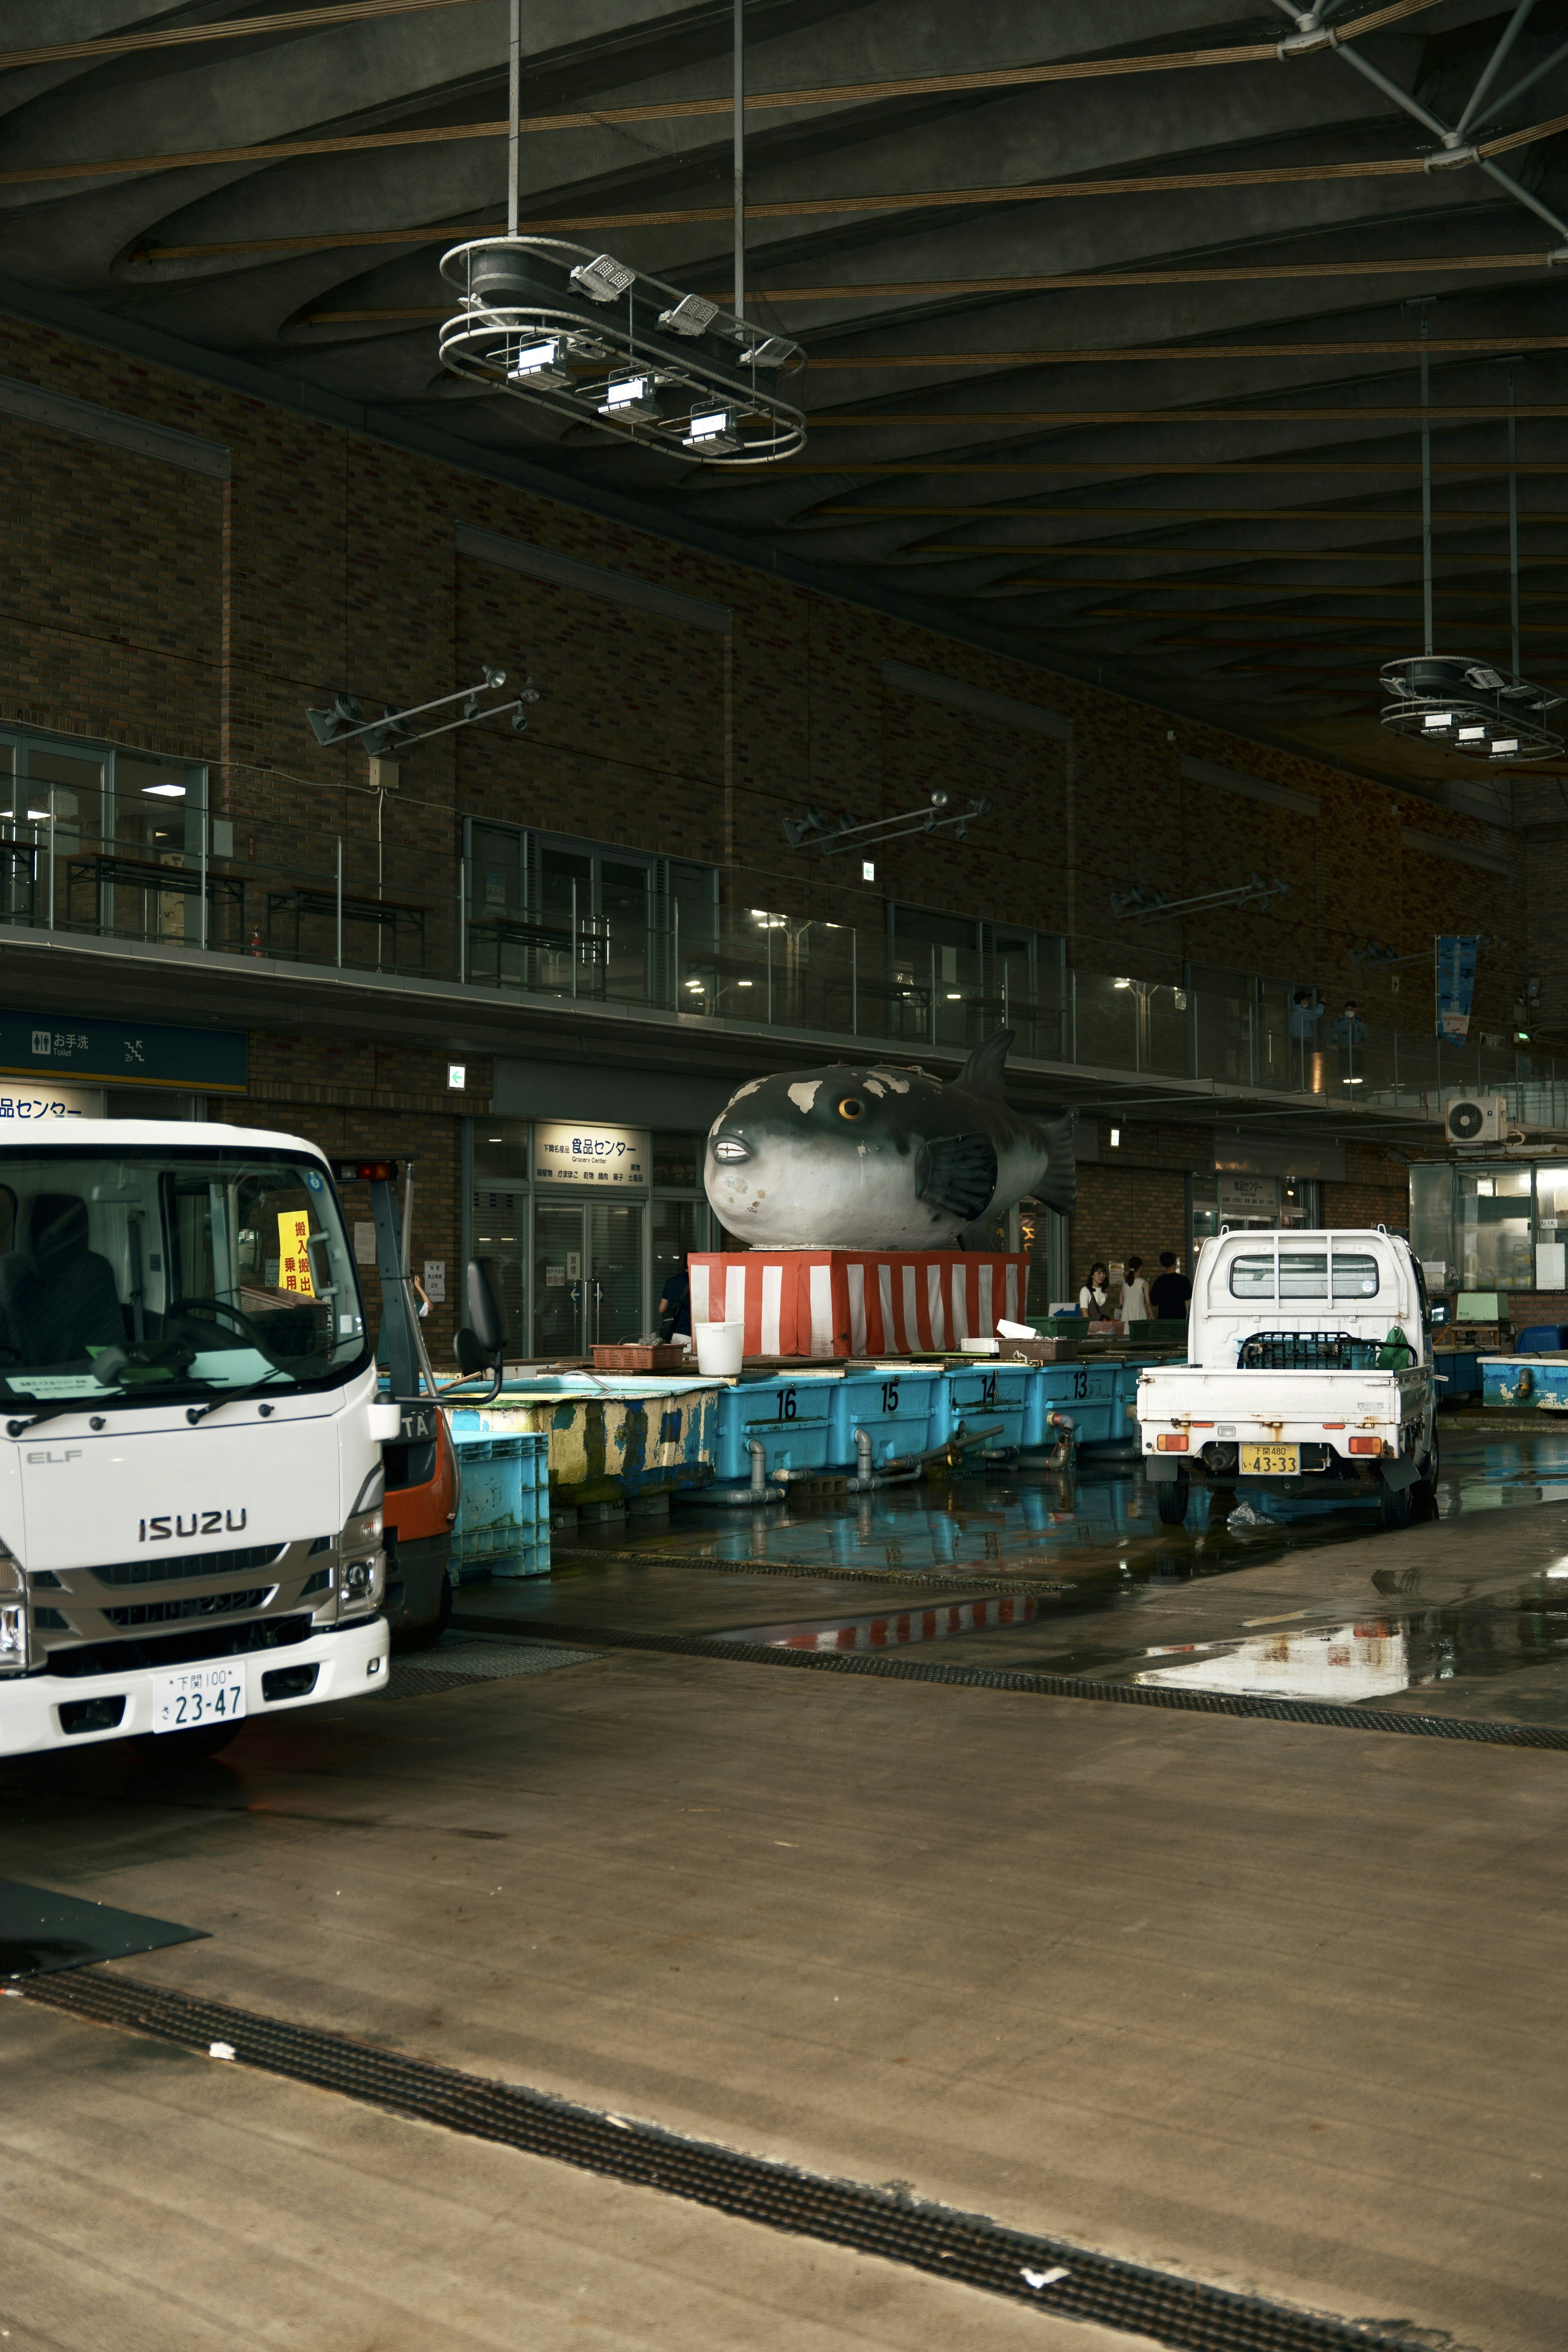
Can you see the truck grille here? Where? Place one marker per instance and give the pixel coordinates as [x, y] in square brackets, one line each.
[1322, 1351]
[173, 1567]
[182, 1649]
[203, 1604]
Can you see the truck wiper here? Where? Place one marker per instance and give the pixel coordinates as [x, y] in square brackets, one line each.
[157, 1392]
[55, 1406]
[230, 1396]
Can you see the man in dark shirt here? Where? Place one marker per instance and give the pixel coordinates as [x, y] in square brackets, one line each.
[1170, 1290]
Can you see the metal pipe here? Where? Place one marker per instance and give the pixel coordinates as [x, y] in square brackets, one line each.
[1425, 480]
[202, 927]
[1506, 39]
[739, 153]
[1513, 525]
[340, 902]
[742, 1497]
[1537, 73]
[513, 104]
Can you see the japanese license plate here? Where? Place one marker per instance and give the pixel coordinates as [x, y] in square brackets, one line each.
[197, 1695]
[1270, 1461]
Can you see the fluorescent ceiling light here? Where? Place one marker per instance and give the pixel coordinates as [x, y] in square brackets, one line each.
[165, 792]
[1506, 743]
[538, 363]
[630, 399]
[712, 430]
[1434, 719]
[1472, 734]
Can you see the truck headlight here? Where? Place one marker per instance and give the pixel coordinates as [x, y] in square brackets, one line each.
[361, 1582]
[12, 1617]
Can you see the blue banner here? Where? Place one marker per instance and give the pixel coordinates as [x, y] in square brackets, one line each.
[1455, 987]
[126, 1054]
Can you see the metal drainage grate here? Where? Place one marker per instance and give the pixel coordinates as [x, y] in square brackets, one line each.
[459, 1660]
[1052, 2275]
[1046, 1686]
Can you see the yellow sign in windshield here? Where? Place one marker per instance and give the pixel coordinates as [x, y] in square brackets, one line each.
[294, 1252]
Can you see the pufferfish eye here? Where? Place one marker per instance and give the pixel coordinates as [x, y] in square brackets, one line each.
[851, 1107]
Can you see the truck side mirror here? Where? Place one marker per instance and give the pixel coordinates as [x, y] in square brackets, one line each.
[480, 1345]
[487, 1316]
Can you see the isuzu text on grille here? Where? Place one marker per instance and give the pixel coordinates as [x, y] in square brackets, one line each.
[202, 1523]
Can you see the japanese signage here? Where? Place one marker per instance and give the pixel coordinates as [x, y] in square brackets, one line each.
[34, 1045]
[47, 1106]
[1455, 987]
[294, 1252]
[1248, 1196]
[569, 1151]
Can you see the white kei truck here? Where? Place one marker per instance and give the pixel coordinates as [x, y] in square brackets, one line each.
[191, 1471]
[1309, 1373]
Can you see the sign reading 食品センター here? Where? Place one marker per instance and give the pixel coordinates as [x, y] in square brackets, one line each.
[121, 1052]
[571, 1151]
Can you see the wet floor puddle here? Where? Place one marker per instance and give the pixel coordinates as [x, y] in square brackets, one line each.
[1121, 1597]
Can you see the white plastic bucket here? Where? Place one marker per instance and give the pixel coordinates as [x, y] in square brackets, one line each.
[719, 1347]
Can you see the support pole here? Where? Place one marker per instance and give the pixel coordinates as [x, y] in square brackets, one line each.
[513, 101]
[1425, 481]
[740, 156]
[340, 902]
[1513, 525]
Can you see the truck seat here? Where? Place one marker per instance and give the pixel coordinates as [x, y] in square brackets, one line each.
[61, 1297]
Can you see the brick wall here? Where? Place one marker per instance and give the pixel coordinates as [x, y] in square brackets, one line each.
[161, 607]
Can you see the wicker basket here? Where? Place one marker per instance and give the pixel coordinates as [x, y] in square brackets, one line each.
[632, 1356]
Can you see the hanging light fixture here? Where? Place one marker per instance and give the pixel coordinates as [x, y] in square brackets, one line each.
[590, 337]
[1454, 700]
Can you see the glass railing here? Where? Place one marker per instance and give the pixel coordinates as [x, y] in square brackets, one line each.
[388, 897]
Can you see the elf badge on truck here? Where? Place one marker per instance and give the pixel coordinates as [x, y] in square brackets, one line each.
[1309, 1372]
[191, 1469]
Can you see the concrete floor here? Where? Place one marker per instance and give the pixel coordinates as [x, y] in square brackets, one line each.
[1267, 2003]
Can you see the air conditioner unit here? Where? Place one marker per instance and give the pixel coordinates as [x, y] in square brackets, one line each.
[1475, 1119]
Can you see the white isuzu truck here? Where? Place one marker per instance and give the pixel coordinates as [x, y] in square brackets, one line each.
[1309, 1372]
[191, 1467]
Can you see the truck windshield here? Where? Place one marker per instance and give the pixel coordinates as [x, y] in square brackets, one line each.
[135, 1275]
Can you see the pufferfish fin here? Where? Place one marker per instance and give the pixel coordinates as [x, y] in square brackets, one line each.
[957, 1173]
[1057, 1185]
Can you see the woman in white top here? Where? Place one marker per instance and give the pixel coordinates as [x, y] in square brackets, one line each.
[1135, 1306]
[1094, 1298]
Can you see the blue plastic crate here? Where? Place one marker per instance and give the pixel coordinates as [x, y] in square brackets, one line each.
[893, 1403]
[503, 1523]
[794, 1419]
[989, 1395]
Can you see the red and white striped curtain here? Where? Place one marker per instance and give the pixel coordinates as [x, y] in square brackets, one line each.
[855, 1302]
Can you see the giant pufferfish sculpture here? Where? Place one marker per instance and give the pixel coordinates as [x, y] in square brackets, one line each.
[879, 1157]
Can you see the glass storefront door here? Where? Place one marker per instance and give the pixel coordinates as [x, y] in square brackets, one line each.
[560, 1293]
[587, 1275]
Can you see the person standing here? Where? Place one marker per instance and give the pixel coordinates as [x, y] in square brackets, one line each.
[1135, 1306]
[1170, 1290]
[674, 1308]
[1094, 1298]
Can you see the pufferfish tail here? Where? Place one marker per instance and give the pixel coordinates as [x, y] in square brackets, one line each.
[1057, 1185]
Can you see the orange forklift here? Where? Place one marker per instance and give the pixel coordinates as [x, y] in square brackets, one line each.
[423, 1483]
